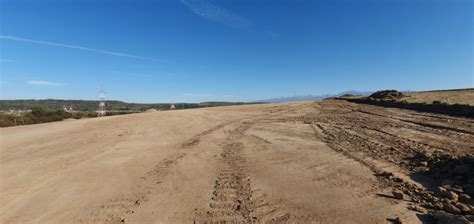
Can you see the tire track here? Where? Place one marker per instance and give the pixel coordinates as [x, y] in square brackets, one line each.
[231, 200]
[424, 124]
[118, 208]
[232, 195]
[196, 139]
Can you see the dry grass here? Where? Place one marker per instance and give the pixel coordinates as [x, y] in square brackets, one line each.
[461, 96]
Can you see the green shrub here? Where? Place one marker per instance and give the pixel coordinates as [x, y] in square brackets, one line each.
[36, 116]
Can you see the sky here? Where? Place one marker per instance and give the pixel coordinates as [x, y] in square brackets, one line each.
[231, 50]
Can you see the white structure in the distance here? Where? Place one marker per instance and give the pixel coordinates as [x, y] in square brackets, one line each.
[101, 111]
[69, 110]
[172, 107]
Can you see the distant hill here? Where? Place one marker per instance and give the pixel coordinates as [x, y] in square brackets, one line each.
[91, 105]
[313, 97]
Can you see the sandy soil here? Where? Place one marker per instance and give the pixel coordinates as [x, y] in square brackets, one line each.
[311, 162]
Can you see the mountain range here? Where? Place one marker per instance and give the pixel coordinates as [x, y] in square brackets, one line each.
[313, 97]
[91, 105]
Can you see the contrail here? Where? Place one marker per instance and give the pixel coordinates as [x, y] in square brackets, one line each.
[73, 47]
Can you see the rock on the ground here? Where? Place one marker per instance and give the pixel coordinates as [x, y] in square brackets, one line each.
[446, 218]
[398, 194]
[418, 209]
[464, 208]
[397, 179]
[447, 194]
[451, 209]
[397, 221]
[464, 198]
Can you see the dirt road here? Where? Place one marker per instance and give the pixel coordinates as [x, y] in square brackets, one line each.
[311, 162]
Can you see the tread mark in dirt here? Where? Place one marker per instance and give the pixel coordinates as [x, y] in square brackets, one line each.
[116, 209]
[196, 139]
[231, 200]
[232, 195]
[425, 124]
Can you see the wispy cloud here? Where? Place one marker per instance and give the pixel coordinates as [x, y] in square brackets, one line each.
[4, 60]
[216, 13]
[73, 47]
[44, 83]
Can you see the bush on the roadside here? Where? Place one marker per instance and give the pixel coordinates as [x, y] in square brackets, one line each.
[83, 114]
[36, 116]
[40, 115]
[7, 120]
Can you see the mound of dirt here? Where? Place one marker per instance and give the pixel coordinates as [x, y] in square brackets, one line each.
[387, 95]
[347, 95]
[457, 171]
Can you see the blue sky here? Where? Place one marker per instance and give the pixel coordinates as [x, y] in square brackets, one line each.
[230, 50]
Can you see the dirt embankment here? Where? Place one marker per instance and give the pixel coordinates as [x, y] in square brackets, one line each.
[393, 98]
[429, 157]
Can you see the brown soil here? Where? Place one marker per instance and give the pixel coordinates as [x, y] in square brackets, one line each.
[453, 96]
[387, 95]
[310, 162]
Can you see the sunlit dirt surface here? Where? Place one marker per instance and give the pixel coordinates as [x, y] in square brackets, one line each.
[309, 162]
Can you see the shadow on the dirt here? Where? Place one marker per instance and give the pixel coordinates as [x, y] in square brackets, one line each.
[385, 195]
[448, 171]
[426, 218]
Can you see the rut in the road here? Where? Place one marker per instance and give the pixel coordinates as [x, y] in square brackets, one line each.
[194, 141]
[232, 195]
[116, 209]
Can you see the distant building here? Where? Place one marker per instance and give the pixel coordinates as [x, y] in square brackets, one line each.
[172, 107]
[68, 109]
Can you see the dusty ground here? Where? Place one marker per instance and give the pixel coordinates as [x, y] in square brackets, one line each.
[311, 162]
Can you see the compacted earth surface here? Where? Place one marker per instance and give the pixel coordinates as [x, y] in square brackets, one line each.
[311, 162]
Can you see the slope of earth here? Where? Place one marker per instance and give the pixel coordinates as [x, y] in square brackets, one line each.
[455, 96]
[310, 162]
